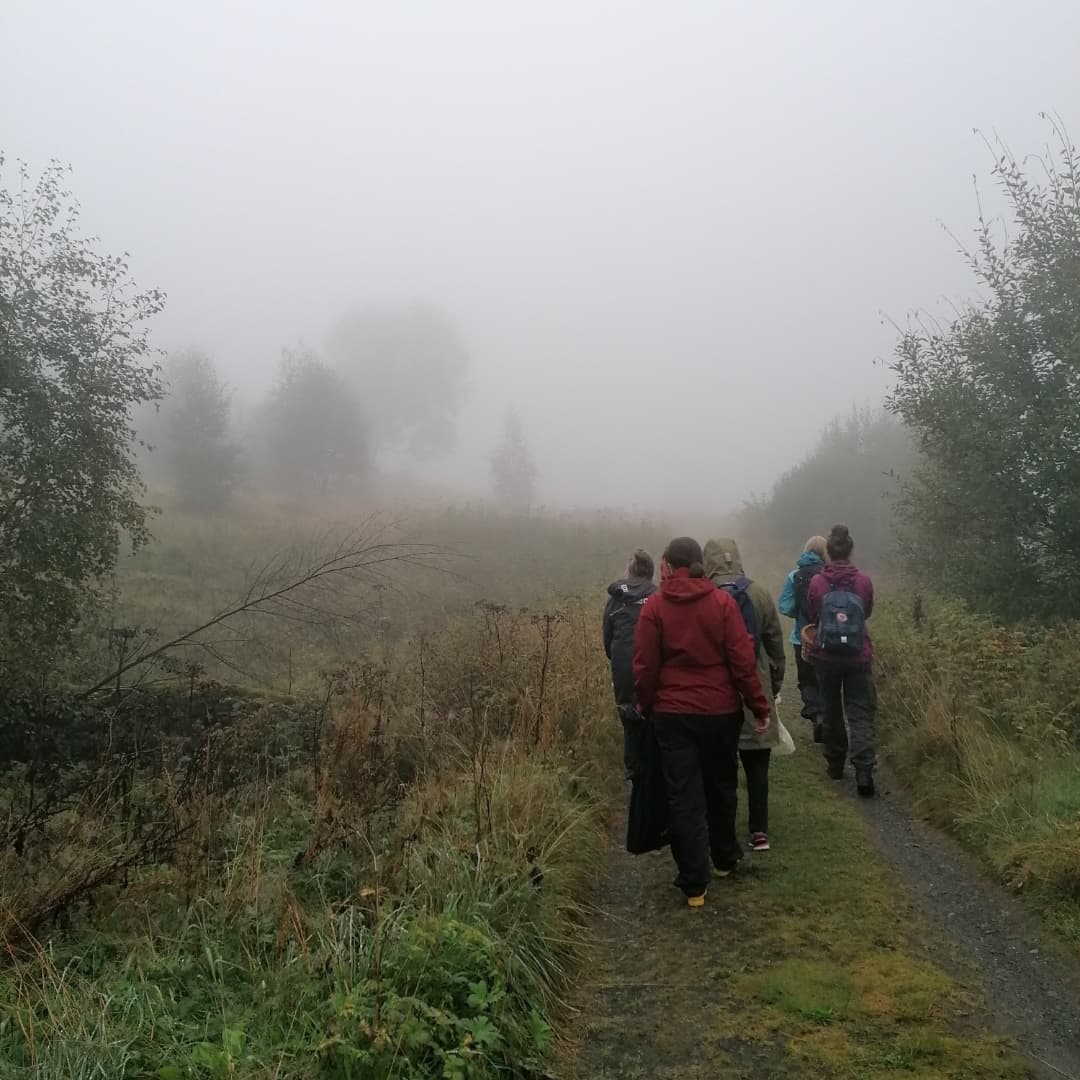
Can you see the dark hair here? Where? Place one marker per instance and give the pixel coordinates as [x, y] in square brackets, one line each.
[641, 565]
[839, 543]
[685, 551]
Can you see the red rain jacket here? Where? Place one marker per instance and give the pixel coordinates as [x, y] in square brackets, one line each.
[692, 653]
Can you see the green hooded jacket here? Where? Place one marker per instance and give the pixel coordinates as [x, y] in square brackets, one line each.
[723, 564]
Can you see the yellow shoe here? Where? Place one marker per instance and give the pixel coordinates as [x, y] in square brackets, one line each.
[696, 901]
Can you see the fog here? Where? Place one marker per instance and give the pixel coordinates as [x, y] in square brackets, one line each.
[667, 232]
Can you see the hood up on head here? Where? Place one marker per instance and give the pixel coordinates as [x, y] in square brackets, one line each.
[723, 562]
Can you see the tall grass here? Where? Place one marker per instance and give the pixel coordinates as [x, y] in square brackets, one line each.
[393, 886]
[982, 722]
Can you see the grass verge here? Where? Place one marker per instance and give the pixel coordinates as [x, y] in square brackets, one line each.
[391, 887]
[450, 964]
[981, 723]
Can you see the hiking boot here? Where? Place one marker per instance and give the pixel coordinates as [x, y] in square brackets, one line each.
[723, 872]
[759, 841]
[696, 901]
[819, 731]
[864, 784]
[836, 772]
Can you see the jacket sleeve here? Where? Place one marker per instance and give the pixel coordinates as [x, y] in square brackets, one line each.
[772, 641]
[609, 626]
[787, 597]
[742, 663]
[646, 658]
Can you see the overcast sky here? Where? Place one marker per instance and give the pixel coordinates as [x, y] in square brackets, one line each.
[667, 231]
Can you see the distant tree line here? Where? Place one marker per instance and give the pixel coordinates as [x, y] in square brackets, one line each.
[87, 407]
[853, 474]
[392, 382]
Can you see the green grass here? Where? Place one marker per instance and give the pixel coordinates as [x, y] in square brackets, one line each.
[452, 966]
[835, 964]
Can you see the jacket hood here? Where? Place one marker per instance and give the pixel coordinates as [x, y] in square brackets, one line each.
[632, 588]
[841, 574]
[722, 559]
[810, 558]
[681, 588]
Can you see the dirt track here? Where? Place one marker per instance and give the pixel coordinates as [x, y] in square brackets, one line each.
[862, 946]
[1030, 982]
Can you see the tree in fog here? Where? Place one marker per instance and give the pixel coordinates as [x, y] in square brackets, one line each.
[994, 401]
[851, 475]
[200, 456]
[313, 430]
[74, 362]
[513, 471]
[408, 367]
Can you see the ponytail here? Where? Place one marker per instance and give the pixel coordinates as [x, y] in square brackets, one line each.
[684, 552]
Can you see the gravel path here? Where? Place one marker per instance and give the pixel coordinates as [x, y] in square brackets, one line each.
[1030, 982]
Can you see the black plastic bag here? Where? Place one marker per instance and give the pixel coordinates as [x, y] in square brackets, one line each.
[647, 822]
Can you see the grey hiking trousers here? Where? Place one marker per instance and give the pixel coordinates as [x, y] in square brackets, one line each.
[851, 692]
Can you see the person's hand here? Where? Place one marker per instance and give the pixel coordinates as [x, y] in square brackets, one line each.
[761, 725]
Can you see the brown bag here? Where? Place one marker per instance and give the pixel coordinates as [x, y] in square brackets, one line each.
[809, 636]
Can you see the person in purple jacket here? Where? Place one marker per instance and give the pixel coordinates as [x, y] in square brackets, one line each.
[840, 600]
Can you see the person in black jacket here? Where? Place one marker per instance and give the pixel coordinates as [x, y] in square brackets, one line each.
[625, 600]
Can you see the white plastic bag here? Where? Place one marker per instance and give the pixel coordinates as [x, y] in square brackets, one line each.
[787, 743]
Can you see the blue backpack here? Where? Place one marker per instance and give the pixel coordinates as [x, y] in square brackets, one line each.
[841, 629]
[737, 591]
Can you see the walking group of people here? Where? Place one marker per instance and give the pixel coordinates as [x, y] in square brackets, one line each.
[697, 666]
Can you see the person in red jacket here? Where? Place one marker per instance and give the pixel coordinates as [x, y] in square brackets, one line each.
[694, 667]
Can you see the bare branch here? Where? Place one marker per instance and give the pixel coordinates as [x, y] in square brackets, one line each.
[354, 557]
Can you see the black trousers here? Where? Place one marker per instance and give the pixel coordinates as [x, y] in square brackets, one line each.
[701, 769]
[809, 689]
[755, 765]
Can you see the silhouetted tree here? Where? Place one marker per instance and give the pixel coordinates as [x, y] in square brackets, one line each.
[314, 432]
[513, 471]
[200, 456]
[74, 362]
[994, 401]
[408, 367]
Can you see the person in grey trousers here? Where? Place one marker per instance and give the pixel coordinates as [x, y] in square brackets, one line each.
[840, 601]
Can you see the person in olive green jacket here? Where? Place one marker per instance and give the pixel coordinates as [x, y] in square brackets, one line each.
[723, 564]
